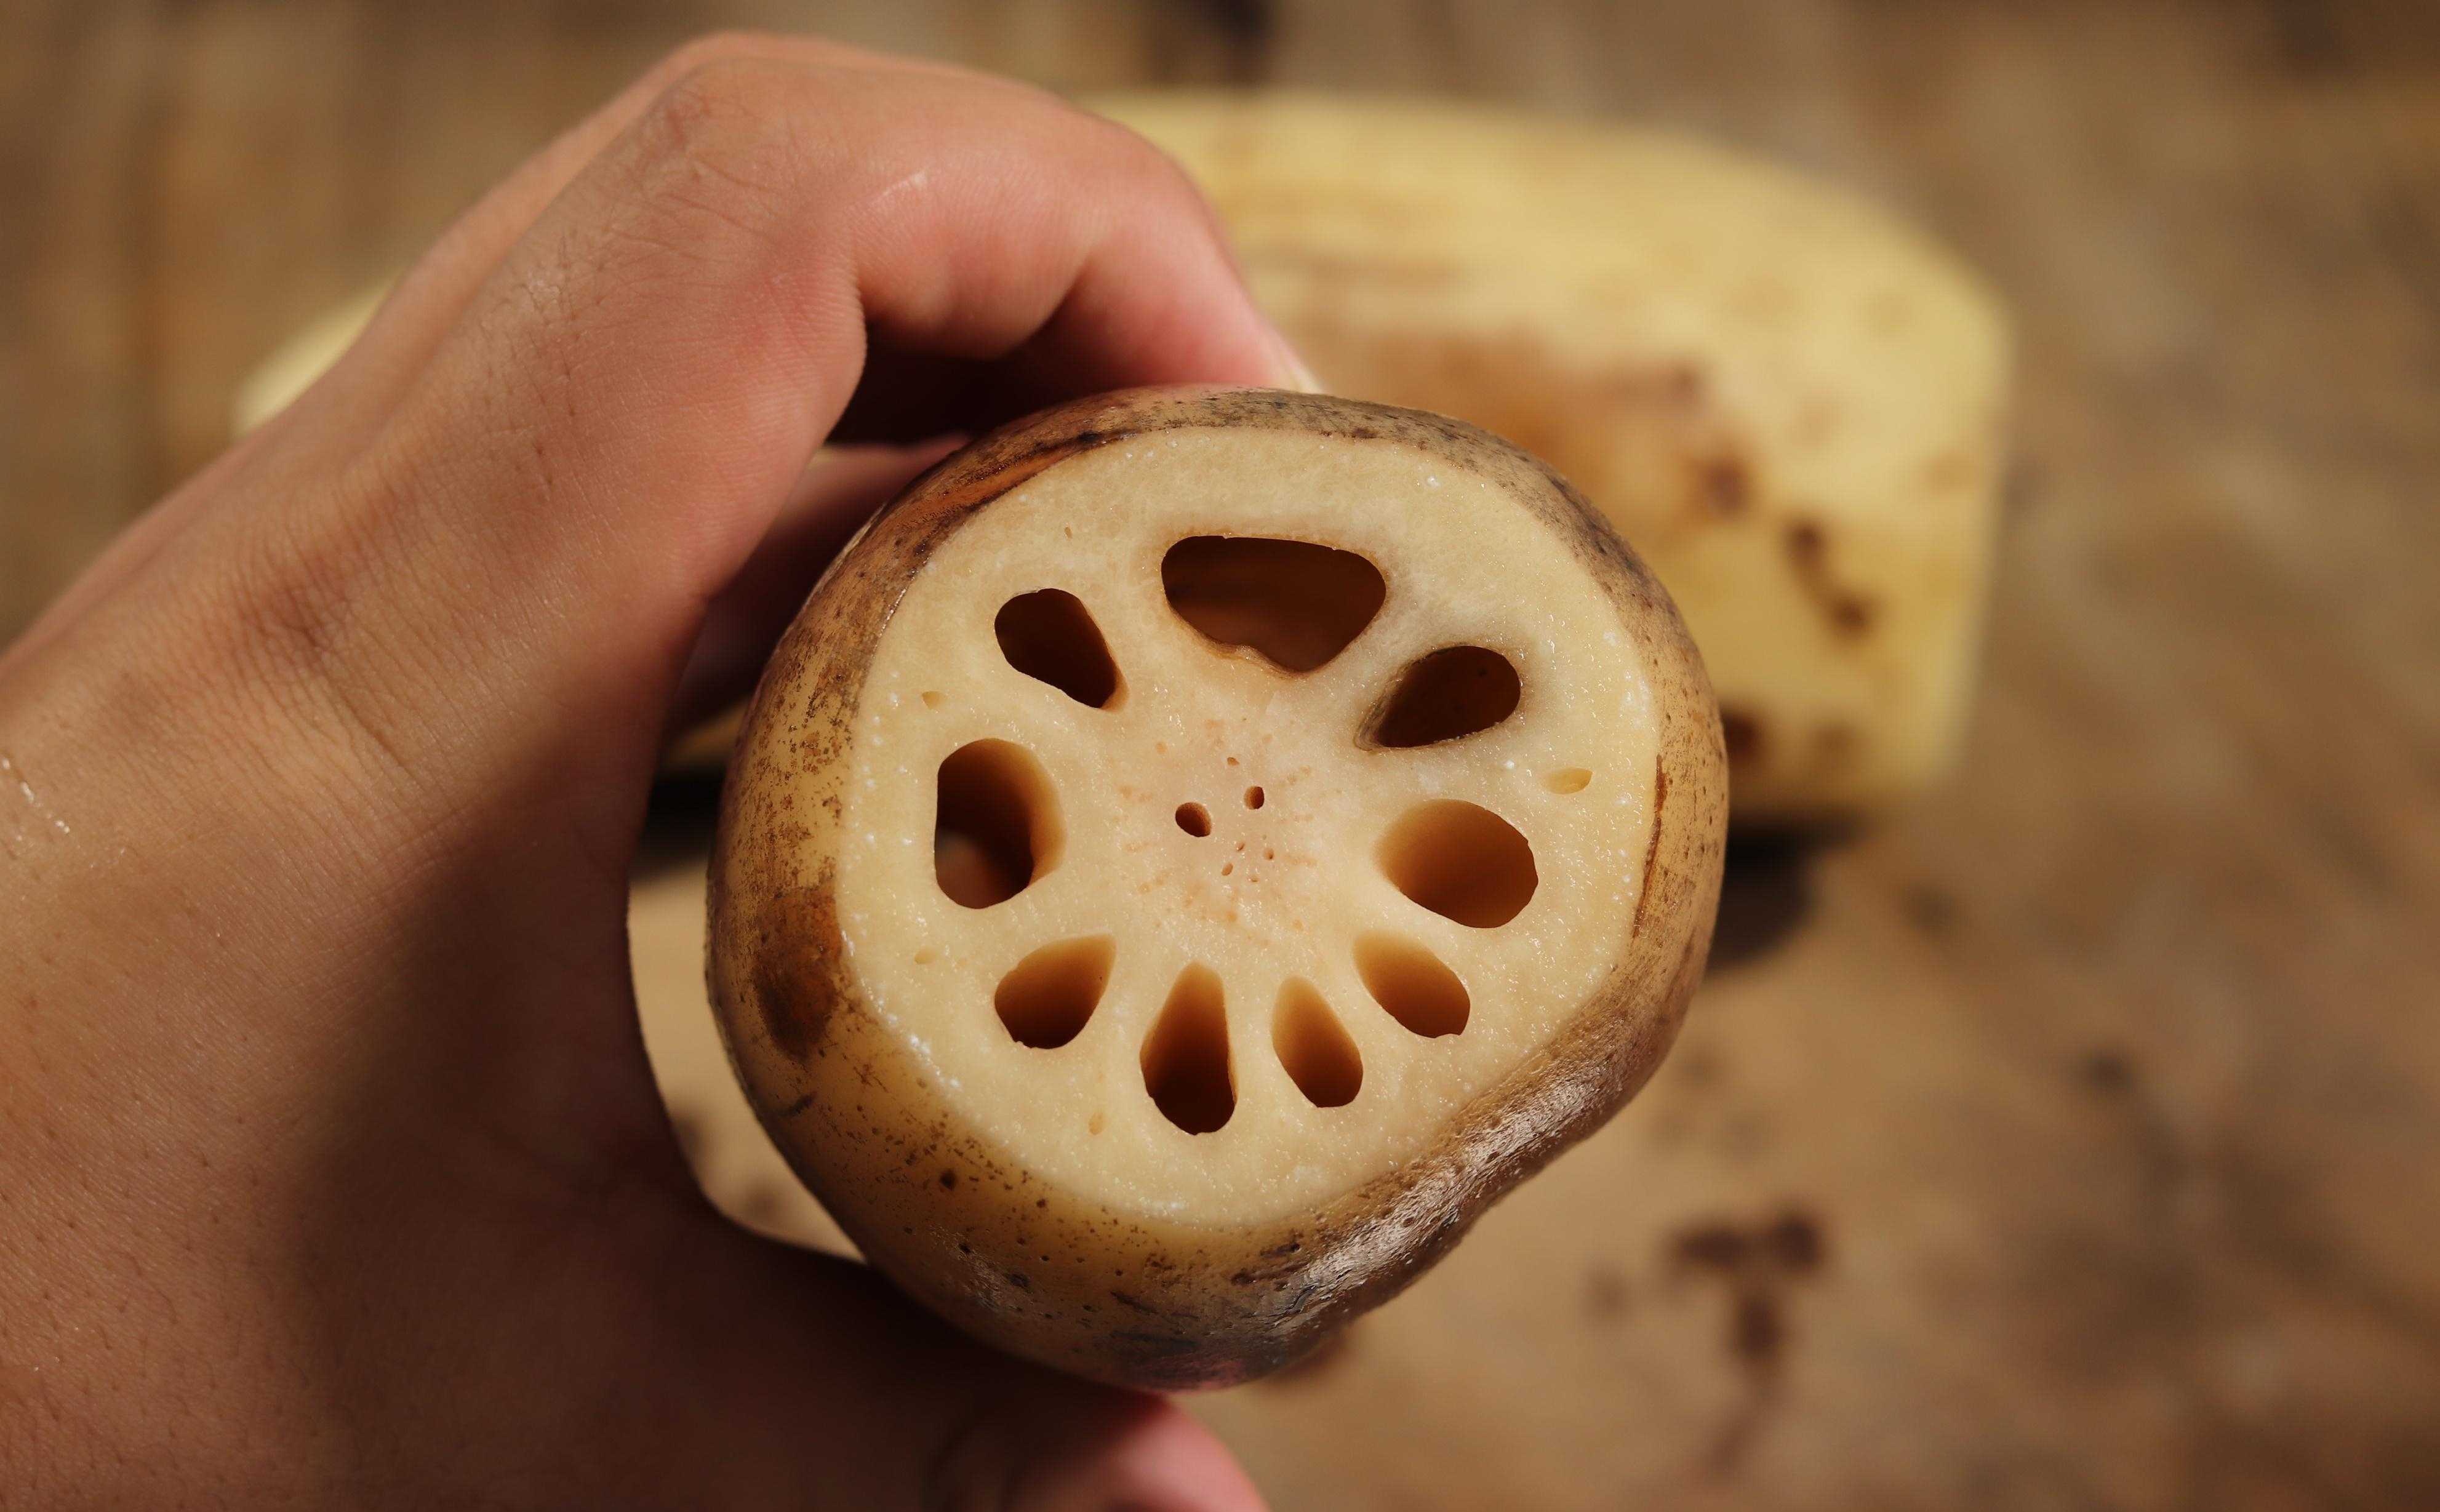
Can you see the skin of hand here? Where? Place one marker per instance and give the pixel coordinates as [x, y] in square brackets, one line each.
[331, 1171]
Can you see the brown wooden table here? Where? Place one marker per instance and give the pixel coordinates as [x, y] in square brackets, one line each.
[2073, 1140]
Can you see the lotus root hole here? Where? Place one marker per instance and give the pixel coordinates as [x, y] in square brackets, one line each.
[1294, 604]
[1047, 998]
[1048, 636]
[995, 823]
[1462, 861]
[1314, 1047]
[1454, 693]
[1186, 1064]
[1412, 985]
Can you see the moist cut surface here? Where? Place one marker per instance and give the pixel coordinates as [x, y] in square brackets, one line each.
[1224, 810]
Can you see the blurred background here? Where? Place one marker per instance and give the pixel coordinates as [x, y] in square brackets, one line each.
[2065, 1136]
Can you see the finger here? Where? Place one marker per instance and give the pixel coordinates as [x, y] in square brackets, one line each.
[843, 486]
[598, 446]
[418, 311]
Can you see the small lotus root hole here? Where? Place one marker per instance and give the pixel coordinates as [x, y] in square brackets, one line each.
[1185, 1057]
[1463, 862]
[1194, 819]
[1253, 797]
[1455, 691]
[1411, 985]
[1568, 779]
[1047, 998]
[1314, 1047]
[1048, 636]
[1294, 603]
[997, 824]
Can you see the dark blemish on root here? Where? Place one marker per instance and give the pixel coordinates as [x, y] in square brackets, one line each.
[1724, 486]
[948, 1180]
[1126, 1301]
[1651, 847]
[788, 1032]
[1850, 614]
[793, 991]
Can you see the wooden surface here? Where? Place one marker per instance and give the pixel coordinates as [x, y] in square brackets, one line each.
[2068, 1142]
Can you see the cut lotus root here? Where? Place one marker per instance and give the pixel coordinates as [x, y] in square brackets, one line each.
[1193, 850]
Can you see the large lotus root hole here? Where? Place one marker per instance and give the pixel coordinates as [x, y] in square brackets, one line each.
[997, 826]
[1411, 985]
[1046, 1000]
[1296, 603]
[1454, 692]
[1463, 862]
[1185, 1057]
[1050, 636]
[1313, 1047]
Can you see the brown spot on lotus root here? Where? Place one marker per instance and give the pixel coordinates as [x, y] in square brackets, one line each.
[1646, 884]
[793, 994]
[1723, 486]
[1644, 441]
[1850, 614]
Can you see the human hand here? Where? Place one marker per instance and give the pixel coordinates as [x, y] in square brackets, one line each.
[330, 1166]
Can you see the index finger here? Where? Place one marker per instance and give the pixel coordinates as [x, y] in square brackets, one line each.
[607, 431]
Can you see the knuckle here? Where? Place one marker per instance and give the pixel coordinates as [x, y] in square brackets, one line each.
[1146, 168]
[730, 111]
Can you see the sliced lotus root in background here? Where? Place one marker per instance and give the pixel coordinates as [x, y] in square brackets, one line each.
[1195, 850]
